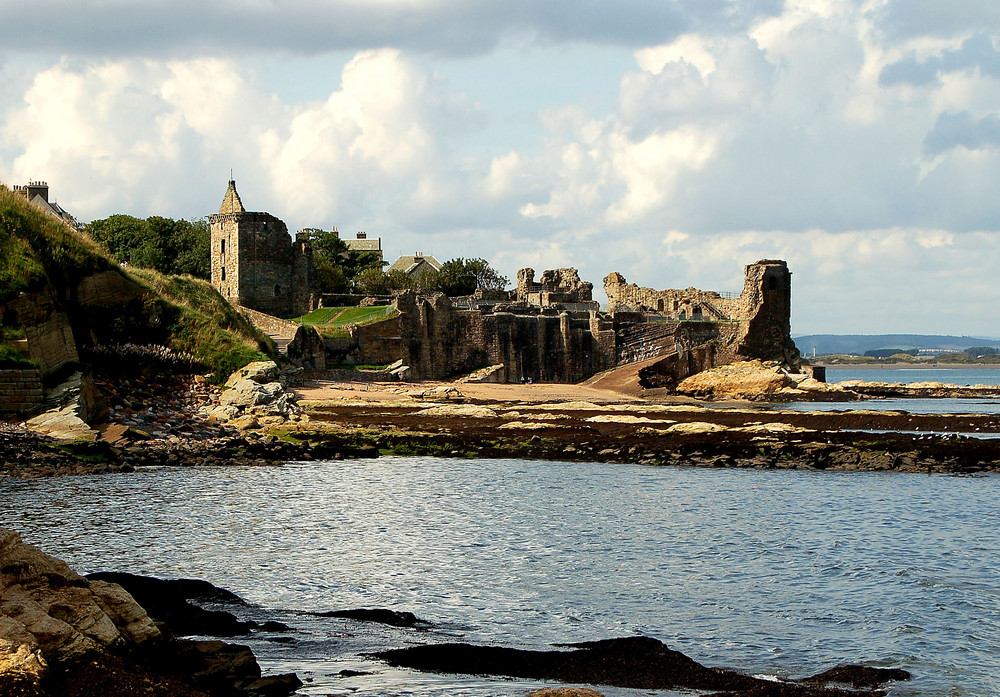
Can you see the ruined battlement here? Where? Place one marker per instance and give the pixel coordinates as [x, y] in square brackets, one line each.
[762, 310]
[556, 288]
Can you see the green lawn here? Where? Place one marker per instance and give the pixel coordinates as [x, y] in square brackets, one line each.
[339, 317]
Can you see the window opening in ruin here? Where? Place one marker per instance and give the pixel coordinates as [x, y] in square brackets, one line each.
[223, 246]
[277, 290]
[772, 283]
[659, 305]
[223, 273]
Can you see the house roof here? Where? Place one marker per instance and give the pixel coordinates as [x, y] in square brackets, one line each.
[365, 245]
[409, 264]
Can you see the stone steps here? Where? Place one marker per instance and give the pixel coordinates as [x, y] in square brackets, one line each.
[280, 342]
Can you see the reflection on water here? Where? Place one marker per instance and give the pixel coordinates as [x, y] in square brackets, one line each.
[776, 572]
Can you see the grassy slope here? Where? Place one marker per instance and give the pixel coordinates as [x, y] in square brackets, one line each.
[206, 325]
[37, 251]
[333, 321]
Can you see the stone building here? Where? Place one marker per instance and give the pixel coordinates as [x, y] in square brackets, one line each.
[416, 266]
[255, 262]
[37, 193]
[363, 243]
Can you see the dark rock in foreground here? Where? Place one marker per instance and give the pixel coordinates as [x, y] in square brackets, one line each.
[168, 603]
[633, 662]
[378, 615]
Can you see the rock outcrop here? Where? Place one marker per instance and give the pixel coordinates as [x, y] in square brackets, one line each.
[63, 635]
[632, 662]
[50, 615]
[759, 380]
[256, 396]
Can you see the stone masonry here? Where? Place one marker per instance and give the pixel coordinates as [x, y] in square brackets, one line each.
[20, 391]
[762, 312]
[255, 262]
[556, 287]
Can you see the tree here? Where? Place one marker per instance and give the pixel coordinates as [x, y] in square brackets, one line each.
[338, 268]
[464, 276]
[164, 244]
[453, 278]
[372, 282]
[487, 277]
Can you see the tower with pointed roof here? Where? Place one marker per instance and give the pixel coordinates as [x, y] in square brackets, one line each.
[255, 263]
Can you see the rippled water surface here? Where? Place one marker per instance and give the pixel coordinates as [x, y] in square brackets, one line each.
[772, 572]
[952, 376]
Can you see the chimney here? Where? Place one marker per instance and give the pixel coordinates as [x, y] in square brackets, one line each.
[38, 189]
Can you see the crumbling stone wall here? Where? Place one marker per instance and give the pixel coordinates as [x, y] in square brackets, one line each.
[545, 344]
[676, 304]
[438, 340]
[556, 287]
[256, 264]
[762, 311]
[765, 314]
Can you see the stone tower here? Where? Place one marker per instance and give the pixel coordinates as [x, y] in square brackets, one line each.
[766, 313]
[255, 264]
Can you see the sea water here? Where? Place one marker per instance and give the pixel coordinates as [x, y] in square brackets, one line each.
[773, 572]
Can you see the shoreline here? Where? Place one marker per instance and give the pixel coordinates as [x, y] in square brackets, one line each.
[543, 421]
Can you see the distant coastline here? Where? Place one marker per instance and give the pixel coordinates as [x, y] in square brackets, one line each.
[874, 364]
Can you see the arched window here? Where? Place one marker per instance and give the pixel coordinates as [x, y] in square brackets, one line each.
[277, 290]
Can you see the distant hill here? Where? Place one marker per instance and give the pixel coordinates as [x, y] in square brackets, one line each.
[859, 343]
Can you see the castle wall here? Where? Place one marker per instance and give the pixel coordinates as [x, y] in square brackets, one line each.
[265, 273]
[437, 340]
[765, 314]
[677, 304]
[762, 311]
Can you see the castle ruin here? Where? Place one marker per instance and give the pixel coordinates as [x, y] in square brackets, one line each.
[760, 315]
[255, 262]
[552, 331]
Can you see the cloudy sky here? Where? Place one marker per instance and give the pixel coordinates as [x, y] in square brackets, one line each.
[673, 141]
